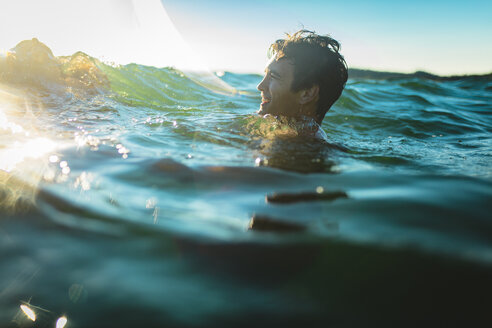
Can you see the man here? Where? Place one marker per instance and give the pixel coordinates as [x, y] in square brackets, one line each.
[304, 78]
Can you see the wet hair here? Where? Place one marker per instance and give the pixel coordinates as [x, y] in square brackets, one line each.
[317, 61]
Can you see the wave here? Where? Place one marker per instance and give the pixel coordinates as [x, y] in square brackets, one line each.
[414, 110]
[145, 161]
[356, 73]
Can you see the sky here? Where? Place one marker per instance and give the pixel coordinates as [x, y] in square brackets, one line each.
[440, 37]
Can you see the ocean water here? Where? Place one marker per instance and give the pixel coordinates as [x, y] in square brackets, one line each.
[142, 196]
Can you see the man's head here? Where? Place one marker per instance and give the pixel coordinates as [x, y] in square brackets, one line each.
[305, 76]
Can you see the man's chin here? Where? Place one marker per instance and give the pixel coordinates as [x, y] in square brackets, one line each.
[263, 110]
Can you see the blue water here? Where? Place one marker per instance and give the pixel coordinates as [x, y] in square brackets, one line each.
[167, 215]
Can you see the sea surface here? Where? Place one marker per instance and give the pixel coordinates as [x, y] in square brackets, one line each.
[136, 196]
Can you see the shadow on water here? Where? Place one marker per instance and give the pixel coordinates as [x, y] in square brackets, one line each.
[148, 277]
[303, 155]
[297, 146]
[350, 285]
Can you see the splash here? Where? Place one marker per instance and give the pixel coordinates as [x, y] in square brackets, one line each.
[32, 63]
[271, 127]
[121, 32]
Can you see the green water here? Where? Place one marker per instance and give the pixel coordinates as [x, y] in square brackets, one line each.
[150, 226]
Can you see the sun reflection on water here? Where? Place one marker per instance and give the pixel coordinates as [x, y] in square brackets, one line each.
[25, 151]
[10, 157]
[61, 322]
[28, 312]
[41, 317]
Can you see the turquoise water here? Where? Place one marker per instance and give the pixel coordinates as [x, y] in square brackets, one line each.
[181, 207]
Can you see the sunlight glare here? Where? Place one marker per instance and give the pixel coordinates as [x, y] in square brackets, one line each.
[5, 124]
[10, 157]
[27, 311]
[61, 322]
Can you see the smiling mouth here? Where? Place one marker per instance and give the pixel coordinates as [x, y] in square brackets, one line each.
[264, 101]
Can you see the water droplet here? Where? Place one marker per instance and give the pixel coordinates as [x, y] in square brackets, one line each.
[61, 322]
[28, 311]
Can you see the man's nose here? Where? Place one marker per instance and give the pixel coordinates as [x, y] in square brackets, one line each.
[261, 85]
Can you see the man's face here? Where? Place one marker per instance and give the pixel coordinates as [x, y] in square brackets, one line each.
[276, 95]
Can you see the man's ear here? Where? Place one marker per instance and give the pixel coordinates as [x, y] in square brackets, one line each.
[309, 94]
